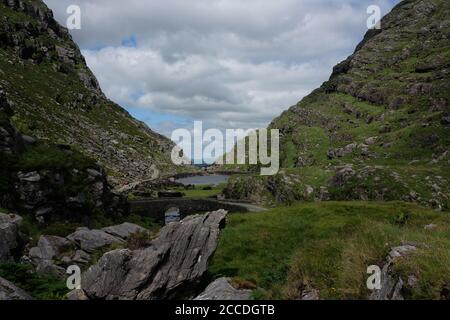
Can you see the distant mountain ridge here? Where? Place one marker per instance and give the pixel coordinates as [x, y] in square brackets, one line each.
[379, 128]
[397, 80]
[58, 99]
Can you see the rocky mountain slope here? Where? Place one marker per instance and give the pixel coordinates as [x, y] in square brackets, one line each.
[379, 128]
[59, 101]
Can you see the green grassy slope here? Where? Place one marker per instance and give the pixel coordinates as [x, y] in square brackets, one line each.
[58, 99]
[384, 111]
[396, 87]
[328, 246]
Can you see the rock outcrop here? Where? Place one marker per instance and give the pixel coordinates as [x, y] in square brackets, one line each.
[171, 267]
[221, 289]
[392, 286]
[39, 192]
[10, 239]
[52, 182]
[53, 254]
[92, 240]
[124, 230]
[9, 291]
[65, 99]
[383, 112]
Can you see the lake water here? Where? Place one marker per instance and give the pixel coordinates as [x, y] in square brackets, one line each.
[199, 180]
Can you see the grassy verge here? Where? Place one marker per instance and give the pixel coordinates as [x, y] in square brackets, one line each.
[329, 245]
[39, 287]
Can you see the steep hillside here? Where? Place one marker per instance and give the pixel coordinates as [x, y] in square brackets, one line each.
[58, 100]
[379, 128]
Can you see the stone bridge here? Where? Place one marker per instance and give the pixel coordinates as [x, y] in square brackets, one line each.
[157, 208]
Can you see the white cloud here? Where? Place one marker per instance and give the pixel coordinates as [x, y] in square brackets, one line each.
[230, 63]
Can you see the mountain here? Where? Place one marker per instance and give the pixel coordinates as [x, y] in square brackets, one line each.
[59, 101]
[378, 129]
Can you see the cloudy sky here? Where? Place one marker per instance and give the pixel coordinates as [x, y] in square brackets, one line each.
[229, 63]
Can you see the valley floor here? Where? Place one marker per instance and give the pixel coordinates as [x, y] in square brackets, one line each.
[328, 246]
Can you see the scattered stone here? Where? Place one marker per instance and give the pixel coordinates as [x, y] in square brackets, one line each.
[310, 294]
[48, 249]
[9, 291]
[343, 174]
[431, 226]
[81, 258]
[371, 140]
[392, 286]
[445, 121]
[124, 230]
[342, 152]
[77, 295]
[29, 177]
[221, 289]
[10, 239]
[92, 240]
[308, 191]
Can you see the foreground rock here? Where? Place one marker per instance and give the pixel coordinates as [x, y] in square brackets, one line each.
[124, 230]
[393, 287]
[10, 240]
[54, 254]
[47, 250]
[9, 291]
[170, 268]
[92, 240]
[221, 289]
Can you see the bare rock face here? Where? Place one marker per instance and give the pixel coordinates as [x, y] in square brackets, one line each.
[221, 289]
[9, 291]
[35, 39]
[392, 287]
[91, 240]
[49, 247]
[10, 239]
[171, 268]
[123, 230]
[54, 254]
[47, 250]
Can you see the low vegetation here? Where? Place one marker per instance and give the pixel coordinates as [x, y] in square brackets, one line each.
[328, 246]
[38, 286]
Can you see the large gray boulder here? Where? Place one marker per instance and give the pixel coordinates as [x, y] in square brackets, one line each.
[48, 249]
[10, 239]
[221, 289]
[53, 254]
[171, 267]
[9, 291]
[124, 230]
[92, 240]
